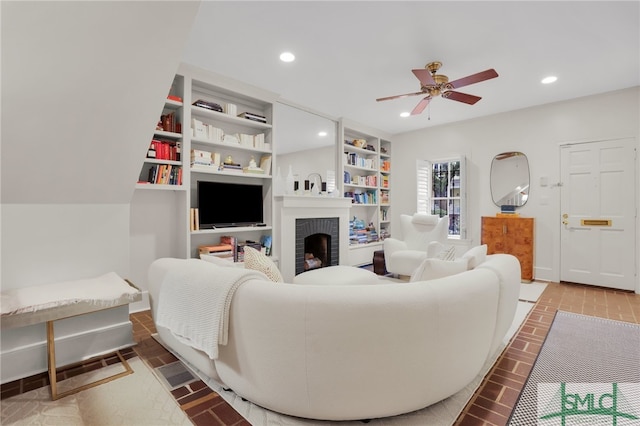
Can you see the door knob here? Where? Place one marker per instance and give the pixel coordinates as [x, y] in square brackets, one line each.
[564, 219]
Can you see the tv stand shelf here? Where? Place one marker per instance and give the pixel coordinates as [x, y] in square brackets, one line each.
[232, 230]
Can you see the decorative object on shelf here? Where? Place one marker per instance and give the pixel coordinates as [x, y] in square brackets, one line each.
[278, 184]
[289, 188]
[359, 143]
[228, 160]
[253, 168]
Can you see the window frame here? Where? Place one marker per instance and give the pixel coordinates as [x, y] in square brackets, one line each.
[424, 193]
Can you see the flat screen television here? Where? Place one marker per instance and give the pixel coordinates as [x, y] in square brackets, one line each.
[229, 204]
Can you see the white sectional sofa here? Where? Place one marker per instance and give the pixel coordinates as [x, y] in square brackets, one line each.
[336, 352]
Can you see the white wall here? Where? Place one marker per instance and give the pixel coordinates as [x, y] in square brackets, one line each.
[303, 163]
[537, 132]
[83, 85]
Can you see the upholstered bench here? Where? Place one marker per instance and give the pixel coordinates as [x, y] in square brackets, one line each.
[51, 302]
[337, 275]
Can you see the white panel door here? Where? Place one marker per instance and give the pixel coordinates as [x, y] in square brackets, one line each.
[598, 210]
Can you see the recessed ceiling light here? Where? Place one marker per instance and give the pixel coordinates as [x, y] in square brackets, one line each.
[322, 134]
[404, 114]
[550, 79]
[287, 57]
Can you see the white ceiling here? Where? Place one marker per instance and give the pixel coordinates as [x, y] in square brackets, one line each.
[350, 53]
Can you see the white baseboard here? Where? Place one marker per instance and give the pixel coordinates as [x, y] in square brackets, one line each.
[27, 360]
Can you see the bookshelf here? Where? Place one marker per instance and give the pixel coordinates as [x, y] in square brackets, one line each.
[365, 162]
[163, 165]
[216, 136]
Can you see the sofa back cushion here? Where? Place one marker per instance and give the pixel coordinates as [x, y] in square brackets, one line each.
[431, 269]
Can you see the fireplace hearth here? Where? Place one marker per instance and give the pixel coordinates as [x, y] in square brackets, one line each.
[317, 243]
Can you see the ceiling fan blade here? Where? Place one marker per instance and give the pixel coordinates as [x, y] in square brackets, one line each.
[424, 76]
[473, 78]
[461, 97]
[399, 96]
[421, 105]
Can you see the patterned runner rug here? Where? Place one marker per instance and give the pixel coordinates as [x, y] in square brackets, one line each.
[587, 372]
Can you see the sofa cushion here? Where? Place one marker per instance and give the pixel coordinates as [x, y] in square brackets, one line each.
[253, 259]
[431, 269]
[337, 275]
[475, 256]
[447, 253]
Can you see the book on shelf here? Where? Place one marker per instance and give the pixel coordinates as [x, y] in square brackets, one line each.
[265, 164]
[212, 106]
[174, 98]
[165, 174]
[194, 219]
[253, 116]
[169, 123]
[164, 150]
[217, 248]
[230, 241]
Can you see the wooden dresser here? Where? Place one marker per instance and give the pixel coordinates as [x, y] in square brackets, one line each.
[511, 235]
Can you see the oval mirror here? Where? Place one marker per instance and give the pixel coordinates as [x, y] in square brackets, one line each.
[510, 179]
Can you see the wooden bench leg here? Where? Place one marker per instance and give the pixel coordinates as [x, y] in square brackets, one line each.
[51, 361]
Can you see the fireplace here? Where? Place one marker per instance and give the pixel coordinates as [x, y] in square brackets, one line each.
[317, 243]
[318, 222]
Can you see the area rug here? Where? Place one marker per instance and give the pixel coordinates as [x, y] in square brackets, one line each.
[443, 413]
[587, 372]
[137, 399]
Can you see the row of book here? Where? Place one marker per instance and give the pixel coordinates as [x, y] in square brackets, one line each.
[230, 249]
[354, 159]
[385, 181]
[169, 123]
[385, 166]
[361, 234]
[208, 132]
[229, 109]
[164, 150]
[368, 197]
[194, 219]
[164, 174]
[361, 180]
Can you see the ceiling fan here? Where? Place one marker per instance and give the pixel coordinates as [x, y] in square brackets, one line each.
[433, 84]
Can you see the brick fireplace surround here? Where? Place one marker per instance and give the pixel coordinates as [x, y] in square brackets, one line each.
[289, 209]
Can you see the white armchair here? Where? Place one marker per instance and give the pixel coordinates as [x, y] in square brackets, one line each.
[424, 236]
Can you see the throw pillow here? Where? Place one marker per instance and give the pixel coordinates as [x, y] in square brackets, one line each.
[253, 259]
[476, 255]
[431, 269]
[448, 253]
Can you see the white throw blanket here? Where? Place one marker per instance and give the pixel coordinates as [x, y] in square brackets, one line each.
[194, 303]
[105, 291]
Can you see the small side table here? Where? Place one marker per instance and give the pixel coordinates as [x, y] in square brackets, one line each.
[379, 267]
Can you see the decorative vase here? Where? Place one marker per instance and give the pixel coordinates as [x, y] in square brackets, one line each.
[289, 188]
[278, 185]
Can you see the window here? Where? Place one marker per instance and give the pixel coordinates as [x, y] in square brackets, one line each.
[441, 191]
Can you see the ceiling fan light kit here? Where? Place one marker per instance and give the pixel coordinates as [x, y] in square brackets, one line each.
[433, 84]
